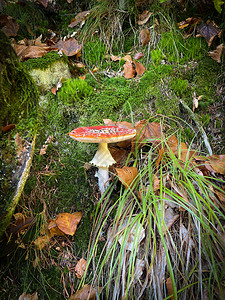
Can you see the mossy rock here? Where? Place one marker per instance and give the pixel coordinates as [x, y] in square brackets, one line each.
[48, 70]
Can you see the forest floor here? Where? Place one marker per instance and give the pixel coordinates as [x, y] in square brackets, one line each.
[159, 229]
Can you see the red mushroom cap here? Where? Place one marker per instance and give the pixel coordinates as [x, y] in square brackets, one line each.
[102, 134]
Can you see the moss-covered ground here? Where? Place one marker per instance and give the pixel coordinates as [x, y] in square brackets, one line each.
[59, 181]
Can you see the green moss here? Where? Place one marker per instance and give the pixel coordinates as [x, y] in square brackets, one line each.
[18, 93]
[205, 79]
[176, 48]
[179, 86]
[157, 56]
[74, 90]
[93, 53]
[44, 62]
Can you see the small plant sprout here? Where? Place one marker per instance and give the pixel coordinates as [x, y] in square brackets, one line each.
[102, 135]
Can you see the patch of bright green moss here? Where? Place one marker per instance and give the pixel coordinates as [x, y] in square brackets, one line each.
[157, 56]
[178, 49]
[93, 53]
[74, 90]
[44, 62]
[179, 86]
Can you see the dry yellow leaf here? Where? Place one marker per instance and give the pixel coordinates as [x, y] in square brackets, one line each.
[67, 223]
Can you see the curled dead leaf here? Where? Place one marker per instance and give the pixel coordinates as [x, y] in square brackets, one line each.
[80, 17]
[195, 100]
[144, 17]
[115, 58]
[129, 70]
[127, 175]
[139, 55]
[169, 287]
[189, 21]
[140, 69]
[218, 53]
[53, 229]
[145, 36]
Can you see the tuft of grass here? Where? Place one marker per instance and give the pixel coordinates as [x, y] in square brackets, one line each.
[183, 226]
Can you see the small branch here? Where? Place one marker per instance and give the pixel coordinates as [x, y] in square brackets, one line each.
[202, 131]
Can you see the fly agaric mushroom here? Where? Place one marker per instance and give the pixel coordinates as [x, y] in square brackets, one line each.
[102, 135]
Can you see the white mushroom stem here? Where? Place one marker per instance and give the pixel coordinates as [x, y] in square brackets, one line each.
[103, 159]
[103, 178]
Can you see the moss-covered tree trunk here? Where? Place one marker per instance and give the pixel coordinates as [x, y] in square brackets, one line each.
[18, 100]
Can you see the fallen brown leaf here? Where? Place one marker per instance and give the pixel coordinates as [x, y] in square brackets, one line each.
[21, 223]
[86, 292]
[145, 36]
[26, 296]
[9, 25]
[42, 241]
[115, 58]
[127, 175]
[39, 43]
[80, 268]
[147, 133]
[169, 288]
[70, 46]
[7, 128]
[220, 195]
[172, 143]
[140, 69]
[217, 162]
[129, 70]
[139, 55]
[209, 31]
[189, 21]
[80, 17]
[218, 53]
[127, 58]
[119, 154]
[53, 229]
[25, 52]
[67, 223]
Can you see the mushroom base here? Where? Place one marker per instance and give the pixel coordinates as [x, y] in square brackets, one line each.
[103, 179]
